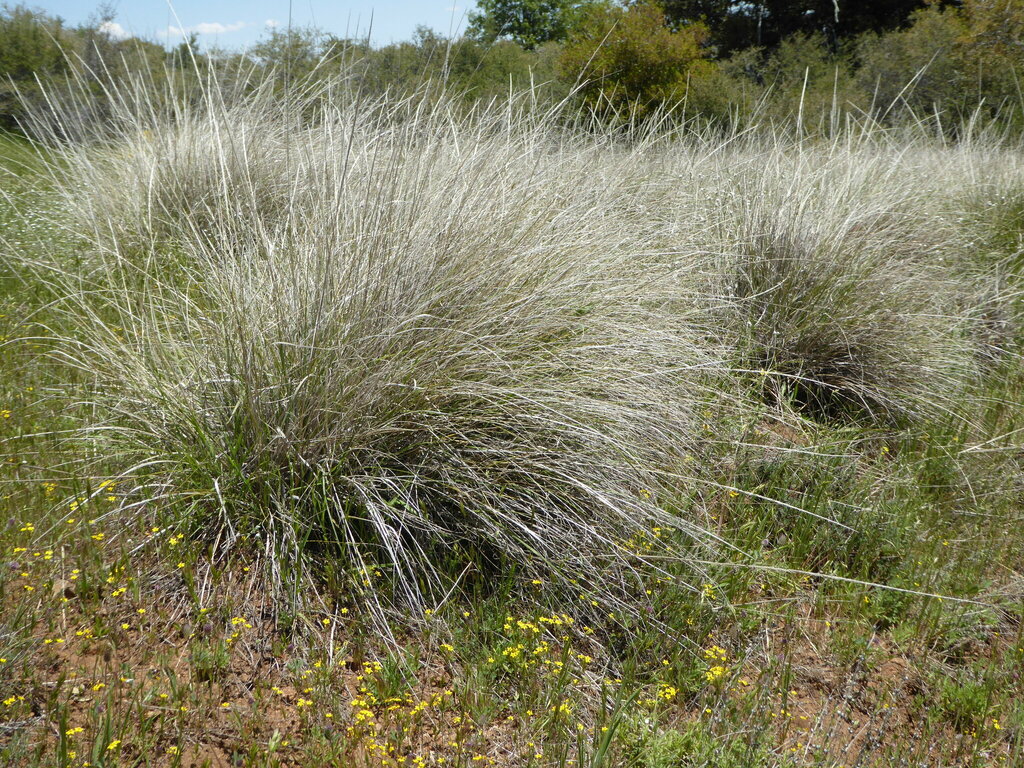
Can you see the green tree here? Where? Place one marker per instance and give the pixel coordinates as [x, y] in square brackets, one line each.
[630, 62]
[31, 44]
[737, 24]
[527, 22]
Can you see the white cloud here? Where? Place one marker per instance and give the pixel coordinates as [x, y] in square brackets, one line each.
[207, 28]
[216, 28]
[114, 30]
[272, 23]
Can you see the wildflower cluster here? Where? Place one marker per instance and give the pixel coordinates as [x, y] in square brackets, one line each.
[238, 624]
[381, 723]
[717, 661]
[646, 542]
[539, 644]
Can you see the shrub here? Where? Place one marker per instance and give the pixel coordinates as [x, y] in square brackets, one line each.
[630, 63]
[31, 45]
[915, 68]
[953, 62]
[801, 83]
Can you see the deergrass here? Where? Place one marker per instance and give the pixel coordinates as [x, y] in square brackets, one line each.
[838, 275]
[839, 321]
[407, 339]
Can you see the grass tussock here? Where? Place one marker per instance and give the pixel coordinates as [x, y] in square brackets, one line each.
[399, 336]
[852, 319]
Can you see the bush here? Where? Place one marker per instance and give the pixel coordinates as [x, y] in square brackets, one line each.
[630, 63]
[953, 62]
[801, 83]
[31, 45]
[916, 68]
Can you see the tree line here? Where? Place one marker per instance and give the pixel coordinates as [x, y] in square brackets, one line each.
[718, 60]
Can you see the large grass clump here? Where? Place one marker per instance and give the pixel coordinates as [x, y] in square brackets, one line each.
[393, 335]
[840, 324]
[840, 283]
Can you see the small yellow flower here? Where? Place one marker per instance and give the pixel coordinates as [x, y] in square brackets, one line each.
[113, 745]
[715, 673]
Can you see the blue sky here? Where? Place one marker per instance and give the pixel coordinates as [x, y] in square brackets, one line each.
[238, 23]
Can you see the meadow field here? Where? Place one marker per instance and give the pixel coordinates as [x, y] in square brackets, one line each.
[356, 431]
